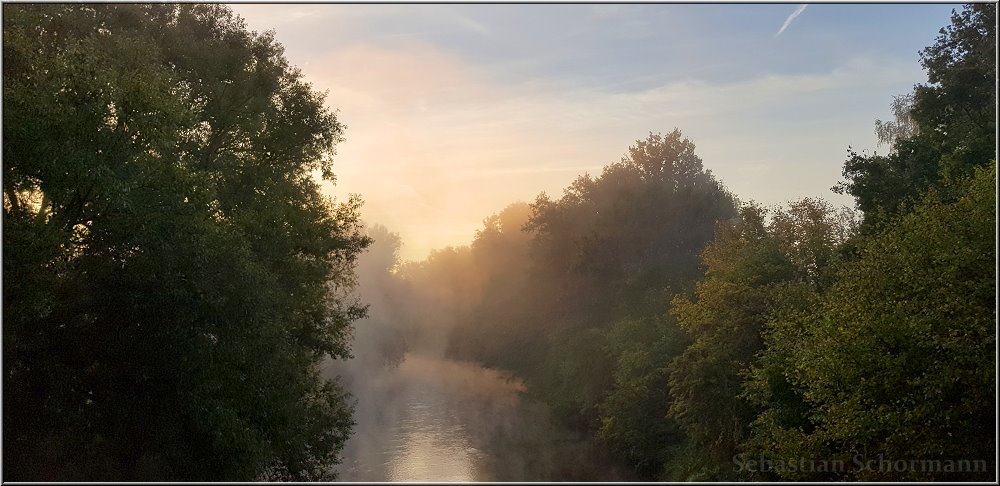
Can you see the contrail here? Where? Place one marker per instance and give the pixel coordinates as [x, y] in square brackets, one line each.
[790, 18]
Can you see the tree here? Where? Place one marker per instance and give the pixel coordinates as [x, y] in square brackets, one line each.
[171, 271]
[902, 127]
[724, 322]
[953, 127]
[956, 108]
[897, 358]
[606, 257]
[640, 224]
[498, 332]
[380, 339]
[751, 266]
[633, 416]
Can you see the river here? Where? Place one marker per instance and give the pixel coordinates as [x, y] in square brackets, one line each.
[438, 420]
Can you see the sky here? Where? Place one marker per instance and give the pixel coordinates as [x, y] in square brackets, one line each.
[452, 112]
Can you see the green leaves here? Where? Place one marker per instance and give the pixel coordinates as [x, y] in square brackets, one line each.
[177, 253]
[897, 357]
[952, 123]
[755, 271]
[634, 413]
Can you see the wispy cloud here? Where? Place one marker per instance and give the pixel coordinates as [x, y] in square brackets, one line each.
[792, 17]
[432, 174]
[438, 139]
[466, 22]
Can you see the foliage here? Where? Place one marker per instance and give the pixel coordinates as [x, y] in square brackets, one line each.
[634, 420]
[381, 339]
[903, 127]
[495, 331]
[640, 225]
[898, 357]
[171, 271]
[953, 120]
[609, 249]
[956, 109]
[751, 265]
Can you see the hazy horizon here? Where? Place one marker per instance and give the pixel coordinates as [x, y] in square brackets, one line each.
[455, 111]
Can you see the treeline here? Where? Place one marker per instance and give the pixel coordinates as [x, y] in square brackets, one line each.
[706, 338]
[173, 278]
[172, 275]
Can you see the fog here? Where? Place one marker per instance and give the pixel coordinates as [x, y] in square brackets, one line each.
[421, 416]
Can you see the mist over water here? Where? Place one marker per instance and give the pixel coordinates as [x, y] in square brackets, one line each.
[433, 419]
[421, 416]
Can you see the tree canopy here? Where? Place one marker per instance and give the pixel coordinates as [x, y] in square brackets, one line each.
[171, 270]
[687, 331]
[897, 358]
[946, 127]
[174, 278]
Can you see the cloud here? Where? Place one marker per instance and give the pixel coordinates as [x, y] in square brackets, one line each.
[466, 22]
[435, 144]
[788, 21]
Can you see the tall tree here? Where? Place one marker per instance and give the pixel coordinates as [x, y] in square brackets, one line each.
[897, 359]
[171, 271]
[612, 250]
[752, 266]
[956, 108]
[954, 122]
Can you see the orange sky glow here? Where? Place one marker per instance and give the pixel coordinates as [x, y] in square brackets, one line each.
[436, 142]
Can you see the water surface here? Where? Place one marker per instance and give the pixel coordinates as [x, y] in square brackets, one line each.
[439, 420]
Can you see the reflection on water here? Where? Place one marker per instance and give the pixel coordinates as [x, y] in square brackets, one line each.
[434, 420]
[430, 445]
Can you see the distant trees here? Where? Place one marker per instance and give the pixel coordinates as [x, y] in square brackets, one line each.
[381, 338]
[608, 250]
[570, 292]
[173, 277]
[687, 331]
[640, 224]
[497, 330]
[171, 270]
